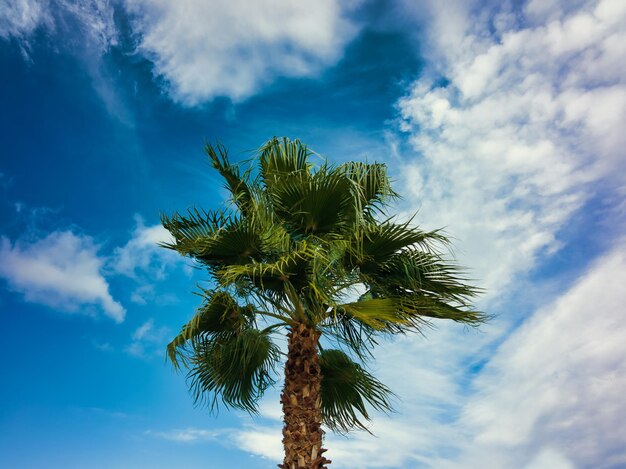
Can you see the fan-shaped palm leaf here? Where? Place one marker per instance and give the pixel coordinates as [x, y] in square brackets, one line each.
[346, 389]
[218, 315]
[236, 369]
[235, 183]
[373, 182]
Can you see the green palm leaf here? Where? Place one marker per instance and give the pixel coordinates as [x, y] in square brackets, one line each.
[315, 204]
[418, 273]
[373, 182]
[189, 230]
[379, 241]
[346, 391]
[218, 315]
[238, 242]
[235, 183]
[376, 313]
[236, 369]
[283, 158]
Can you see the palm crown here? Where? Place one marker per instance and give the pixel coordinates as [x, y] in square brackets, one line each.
[308, 249]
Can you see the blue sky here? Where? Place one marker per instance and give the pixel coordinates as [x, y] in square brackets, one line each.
[500, 121]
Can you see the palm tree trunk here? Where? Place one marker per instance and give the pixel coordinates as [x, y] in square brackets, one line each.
[301, 400]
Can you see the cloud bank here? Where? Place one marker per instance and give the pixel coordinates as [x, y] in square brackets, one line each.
[556, 385]
[62, 271]
[516, 129]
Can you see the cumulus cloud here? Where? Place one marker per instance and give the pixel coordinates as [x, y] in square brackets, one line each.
[62, 270]
[516, 128]
[232, 48]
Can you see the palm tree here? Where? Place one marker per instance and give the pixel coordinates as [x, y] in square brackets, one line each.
[308, 250]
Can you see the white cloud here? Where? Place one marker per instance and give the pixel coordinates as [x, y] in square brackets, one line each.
[555, 388]
[263, 441]
[144, 330]
[530, 122]
[200, 50]
[62, 271]
[233, 48]
[142, 255]
[147, 263]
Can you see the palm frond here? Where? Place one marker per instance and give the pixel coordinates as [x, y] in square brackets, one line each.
[218, 315]
[421, 273]
[347, 389]
[317, 204]
[234, 369]
[373, 182]
[397, 315]
[379, 241]
[191, 229]
[238, 242]
[270, 275]
[235, 183]
[418, 307]
[281, 157]
[376, 313]
[356, 336]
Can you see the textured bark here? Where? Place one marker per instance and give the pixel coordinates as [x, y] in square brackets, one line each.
[301, 400]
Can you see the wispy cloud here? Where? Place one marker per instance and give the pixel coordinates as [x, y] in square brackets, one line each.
[93, 19]
[142, 256]
[19, 18]
[146, 262]
[187, 435]
[148, 340]
[264, 441]
[233, 48]
[62, 270]
[84, 28]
